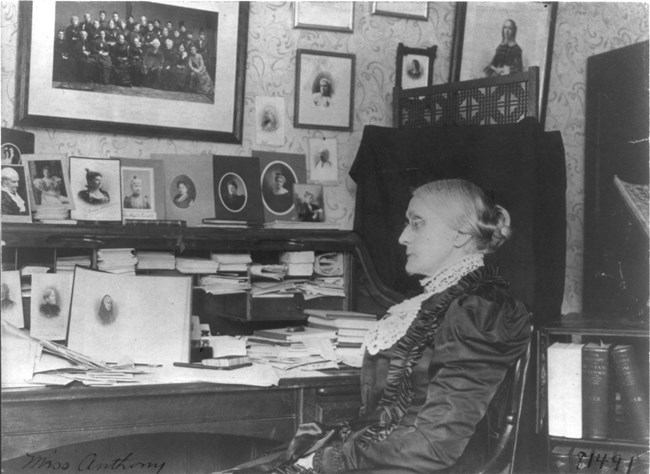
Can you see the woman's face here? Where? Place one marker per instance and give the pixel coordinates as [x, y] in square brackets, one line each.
[429, 241]
[96, 182]
[46, 172]
[108, 303]
[508, 30]
[182, 188]
[50, 297]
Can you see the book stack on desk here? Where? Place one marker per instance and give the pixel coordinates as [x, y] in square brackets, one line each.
[351, 326]
[120, 261]
[232, 262]
[149, 260]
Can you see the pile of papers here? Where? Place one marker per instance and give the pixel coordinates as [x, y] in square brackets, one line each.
[119, 261]
[224, 284]
[298, 263]
[196, 265]
[232, 262]
[67, 264]
[148, 260]
[324, 286]
[286, 288]
[269, 272]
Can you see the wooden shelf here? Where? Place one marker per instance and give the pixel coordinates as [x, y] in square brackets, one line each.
[584, 325]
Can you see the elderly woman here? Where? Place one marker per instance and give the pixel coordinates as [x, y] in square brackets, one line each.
[434, 362]
[12, 203]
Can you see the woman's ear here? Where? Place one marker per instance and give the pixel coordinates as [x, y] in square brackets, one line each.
[461, 239]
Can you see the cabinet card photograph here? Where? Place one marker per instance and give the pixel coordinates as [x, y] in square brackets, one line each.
[324, 90]
[140, 318]
[237, 189]
[143, 189]
[323, 161]
[269, 126]
[189, 187]
[11, 306]
[48, 183]
[50, 305]
[308, 199]
[279, 172]
[15, 203]
[95, 185]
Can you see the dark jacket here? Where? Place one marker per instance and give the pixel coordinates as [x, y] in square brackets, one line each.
[481, 334]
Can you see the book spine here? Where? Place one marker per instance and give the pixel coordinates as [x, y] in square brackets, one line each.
[564, 363]
[635, 399]
[595, 391]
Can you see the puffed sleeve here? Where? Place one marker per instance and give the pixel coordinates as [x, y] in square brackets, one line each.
[477, 342]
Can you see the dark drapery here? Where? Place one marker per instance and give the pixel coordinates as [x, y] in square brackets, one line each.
[520, 166]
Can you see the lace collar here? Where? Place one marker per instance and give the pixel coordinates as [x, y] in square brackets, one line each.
[394, 325]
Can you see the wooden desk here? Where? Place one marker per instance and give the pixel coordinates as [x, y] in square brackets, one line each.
[44, 418]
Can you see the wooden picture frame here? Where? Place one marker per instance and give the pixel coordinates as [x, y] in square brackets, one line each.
[78, 105]
[324, 90]
[152, 179]
[534, 31]
[410, 10]
[332, 16]
[414, 66]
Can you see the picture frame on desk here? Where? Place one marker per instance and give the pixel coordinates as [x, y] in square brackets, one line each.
[53, 95]
[279, 172]
[503, 38]
[96, 189]
[15, 203]
[237, 193]
[11, 304]
[324, 90]
[145, 178]
[49, 185]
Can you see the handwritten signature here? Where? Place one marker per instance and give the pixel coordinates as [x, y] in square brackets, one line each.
[91, 462]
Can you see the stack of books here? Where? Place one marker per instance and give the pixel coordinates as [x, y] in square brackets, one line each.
[232, 262]
[120, 261]
[596, 391]
[228, 223]
[302, 225]
[350, 326]
[196, 265]
[67, 264]
[149, 260]
[298, 263]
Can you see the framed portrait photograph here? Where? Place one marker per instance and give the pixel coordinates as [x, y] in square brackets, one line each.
[334, 16]
[323, 161]
[414, 66]
[66, 76]
[269, 123]
[412, 10]
[143, 183]
[279, 173]
[50, 305]
[324, 90]
[11, 305]
[308, 199]
[503, 38]
[189, 187]
[15, 203]
[96, 187]
[48, 183]
[237, 192]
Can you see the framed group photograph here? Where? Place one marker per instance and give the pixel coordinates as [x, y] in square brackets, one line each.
[15, 203]
[200, 102]
[323, 160]
[95, 185]
[143, 184]
[492, 39]
[411, 10]
[324, 90]
[48, 183]
[334, 16]
[414, 66]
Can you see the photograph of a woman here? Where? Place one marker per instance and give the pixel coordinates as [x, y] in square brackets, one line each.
[95, 183]
[49, 307]
[184, 192]
[106, 312]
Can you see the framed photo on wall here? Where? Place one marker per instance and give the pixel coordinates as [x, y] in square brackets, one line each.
[324, 90]
[503, 38]
[414, 66]
[334, 16]
[412, 10]
[55, 91]
[323, 160]
[96, 187]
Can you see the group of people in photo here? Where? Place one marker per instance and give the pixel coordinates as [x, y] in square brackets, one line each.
[134, 53]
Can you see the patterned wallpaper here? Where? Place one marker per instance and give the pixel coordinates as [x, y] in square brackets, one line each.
[583, 29]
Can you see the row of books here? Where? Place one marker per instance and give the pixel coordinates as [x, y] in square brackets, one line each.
[596, 391]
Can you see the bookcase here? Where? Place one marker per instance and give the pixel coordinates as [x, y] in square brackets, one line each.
[619, 447]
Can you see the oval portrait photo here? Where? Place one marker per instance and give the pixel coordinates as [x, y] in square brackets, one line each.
[277, 187]
[183, 191]
[232, 192]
